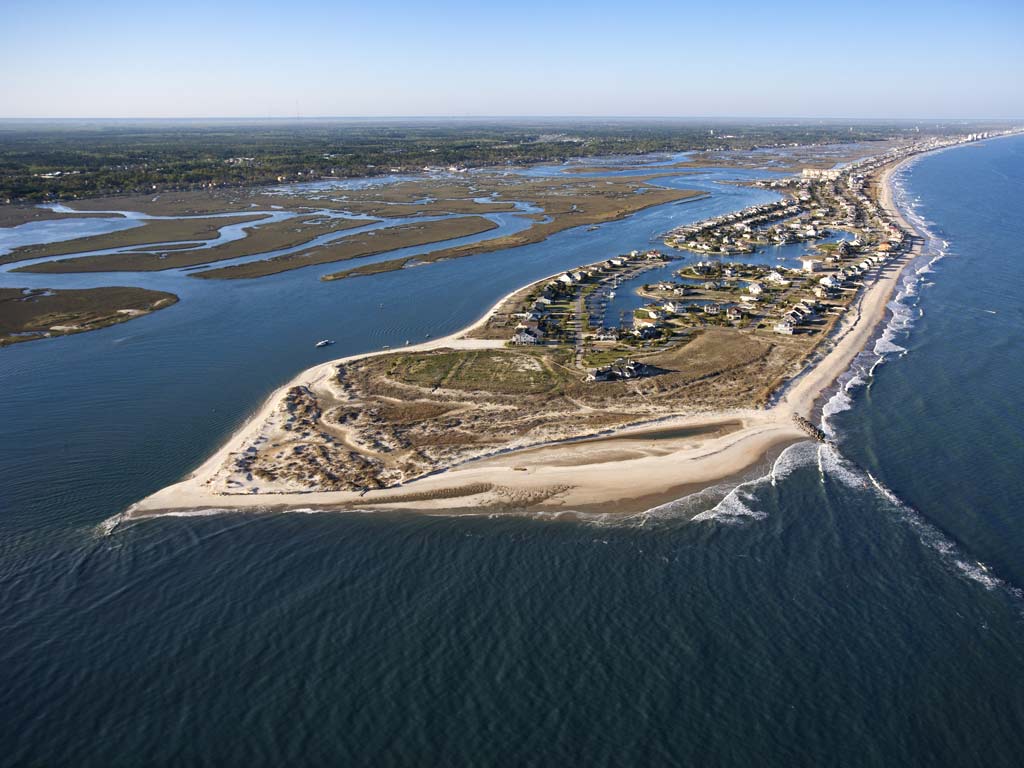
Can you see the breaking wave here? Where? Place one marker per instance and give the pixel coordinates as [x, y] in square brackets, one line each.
[731, 502]
[740, 504]
[946, 548]
[903, 311]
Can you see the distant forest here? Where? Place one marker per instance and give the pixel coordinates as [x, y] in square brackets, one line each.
[52, 160]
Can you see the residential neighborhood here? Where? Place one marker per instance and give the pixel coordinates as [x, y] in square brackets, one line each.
[849, 239]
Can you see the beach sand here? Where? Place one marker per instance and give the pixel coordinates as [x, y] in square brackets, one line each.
[612, 472]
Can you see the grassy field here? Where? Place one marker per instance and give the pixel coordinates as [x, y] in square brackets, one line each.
[358, 246]
[152, 231]
[567, 208]
[26, 315]
[496, 371]
[16, 215]
[414, 198]
[261, 238]
[401, 415]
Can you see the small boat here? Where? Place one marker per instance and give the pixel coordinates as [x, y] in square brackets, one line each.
[325, 342]
[611, 294]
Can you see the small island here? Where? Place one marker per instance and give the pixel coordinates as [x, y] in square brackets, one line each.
[27, 314]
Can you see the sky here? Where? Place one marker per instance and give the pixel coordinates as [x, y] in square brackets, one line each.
[317, 58]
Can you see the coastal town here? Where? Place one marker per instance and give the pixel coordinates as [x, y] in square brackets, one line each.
[719, 332]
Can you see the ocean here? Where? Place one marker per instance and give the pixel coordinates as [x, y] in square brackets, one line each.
[858, 605]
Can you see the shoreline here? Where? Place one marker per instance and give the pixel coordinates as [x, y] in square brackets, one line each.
[581, 474]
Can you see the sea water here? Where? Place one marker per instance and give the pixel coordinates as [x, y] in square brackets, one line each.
[850, 605]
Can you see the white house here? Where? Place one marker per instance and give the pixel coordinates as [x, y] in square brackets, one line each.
[523, 336]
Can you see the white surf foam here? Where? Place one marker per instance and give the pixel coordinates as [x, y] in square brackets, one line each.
[737, 505]
[904, 312]
[835, 467]
[945, 547]
[791, 459]
[108, 526]
[739, 502]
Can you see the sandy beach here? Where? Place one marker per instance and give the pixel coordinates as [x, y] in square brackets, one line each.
[650, 462]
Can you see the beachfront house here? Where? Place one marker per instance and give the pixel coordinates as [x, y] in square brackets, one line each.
[523, 336]
[805, 310]
[622, 368]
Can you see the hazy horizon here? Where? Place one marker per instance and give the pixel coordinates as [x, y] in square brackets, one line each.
[524, 118]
